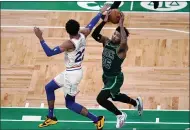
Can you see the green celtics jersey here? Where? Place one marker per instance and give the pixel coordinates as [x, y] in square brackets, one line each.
[111, 63]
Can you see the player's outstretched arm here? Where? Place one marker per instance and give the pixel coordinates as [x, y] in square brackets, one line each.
[123, 45]
[87, 30]
[96, 33]
[50, 52]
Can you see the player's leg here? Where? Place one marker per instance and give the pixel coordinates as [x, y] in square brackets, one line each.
[117, 96]
[79, 109]
[138, 104]
[50, 88]
[123, 97]
[71, 90]
[102, 99]
[108, 91]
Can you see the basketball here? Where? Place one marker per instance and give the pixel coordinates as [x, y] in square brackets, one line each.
[114, 16]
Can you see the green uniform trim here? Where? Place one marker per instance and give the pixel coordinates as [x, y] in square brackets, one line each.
[115, 81]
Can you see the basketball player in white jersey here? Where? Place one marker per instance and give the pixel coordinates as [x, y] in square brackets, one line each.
[74, 49]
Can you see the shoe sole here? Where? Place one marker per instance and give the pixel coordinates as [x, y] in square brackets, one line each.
[47, 125]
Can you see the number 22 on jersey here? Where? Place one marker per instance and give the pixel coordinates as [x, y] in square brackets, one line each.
[80, 56]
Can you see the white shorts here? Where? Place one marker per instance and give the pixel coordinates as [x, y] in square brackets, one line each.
[69, 80]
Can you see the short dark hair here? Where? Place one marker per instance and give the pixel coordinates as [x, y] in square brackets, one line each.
[127, 32]
[72, 27]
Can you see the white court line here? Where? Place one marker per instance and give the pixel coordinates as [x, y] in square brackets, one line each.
[157, 120]
[90, 11]
[108, 122]
[131, 5]
[31, 118]
[106, 28]
[96, 109]
[173, 30]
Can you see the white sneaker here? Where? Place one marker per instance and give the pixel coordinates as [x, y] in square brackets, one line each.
[139, 106]
[121, 120]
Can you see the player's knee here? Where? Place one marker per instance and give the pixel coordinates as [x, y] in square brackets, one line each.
[115, 97]
[51, 87]
[48, 88]
[100, 99]
[68, 104]
[69, 100]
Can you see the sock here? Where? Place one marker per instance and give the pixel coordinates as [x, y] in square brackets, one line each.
[92, 117]
[50, 88]
[50, 112]
[133, 102]
[125, 99]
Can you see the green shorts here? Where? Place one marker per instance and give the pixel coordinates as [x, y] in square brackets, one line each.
[113, 83]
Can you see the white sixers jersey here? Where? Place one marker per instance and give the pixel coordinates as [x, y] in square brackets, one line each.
[75, 57]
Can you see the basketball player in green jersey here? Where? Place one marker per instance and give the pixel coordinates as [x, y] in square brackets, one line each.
[114, 53]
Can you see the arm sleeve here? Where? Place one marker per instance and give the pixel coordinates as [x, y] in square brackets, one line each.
[94, 21]
[50, 52]
[96, 33]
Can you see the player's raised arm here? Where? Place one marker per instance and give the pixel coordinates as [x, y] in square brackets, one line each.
[124, 34]
[87, 30]
[50, 52]
[96, 33]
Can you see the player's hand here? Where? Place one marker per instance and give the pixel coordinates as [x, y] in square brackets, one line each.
[104, 8]
[38, 33]
[121, 19]
[107, 16]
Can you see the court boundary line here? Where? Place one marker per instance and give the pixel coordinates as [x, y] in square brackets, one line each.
[105, 28]
[108, 122]
[131, 8]
[87, 11]
[91, 109]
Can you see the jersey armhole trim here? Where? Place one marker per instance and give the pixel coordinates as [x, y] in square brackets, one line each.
[82, 35]
[118, 55]
[73, 44]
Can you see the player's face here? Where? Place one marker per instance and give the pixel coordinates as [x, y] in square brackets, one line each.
[116, 37]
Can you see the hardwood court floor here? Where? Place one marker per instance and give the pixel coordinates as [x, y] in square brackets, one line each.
[156, 67]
